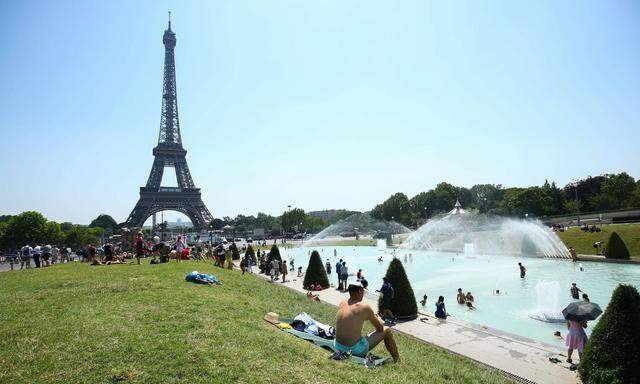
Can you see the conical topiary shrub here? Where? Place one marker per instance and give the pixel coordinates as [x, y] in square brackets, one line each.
[403, 304]
[235, 254]
[315, 273]
[613, 351]
[616, 248]
[274, 253]
[251, 253]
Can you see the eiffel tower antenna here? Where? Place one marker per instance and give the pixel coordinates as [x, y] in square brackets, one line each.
[169, 153]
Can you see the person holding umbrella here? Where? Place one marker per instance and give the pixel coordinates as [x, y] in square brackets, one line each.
[576, 338]
[577, 315]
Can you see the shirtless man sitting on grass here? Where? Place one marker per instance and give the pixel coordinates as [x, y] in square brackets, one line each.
[352, 314]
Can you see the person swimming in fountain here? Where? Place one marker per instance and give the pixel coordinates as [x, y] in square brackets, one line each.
[523, 270]
[380, 259]
[461, 298]
[469, 300]
[423, 302]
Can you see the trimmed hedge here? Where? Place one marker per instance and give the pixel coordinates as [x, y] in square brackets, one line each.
[235, 254]
[315, 273]
[251, 253]
[274, 253]
[403, 304]
[616, 248]
[612, 354]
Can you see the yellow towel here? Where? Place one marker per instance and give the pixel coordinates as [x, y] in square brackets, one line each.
[284, 326]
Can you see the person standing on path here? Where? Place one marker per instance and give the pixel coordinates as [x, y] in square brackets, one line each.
[55, 252]
[523, 270]
[274, 267]
[283, 270]
[46, 255]
[338, 267]
[576, 338]
[344, 273]
[37, 252]
[387, 296]
[25, 256]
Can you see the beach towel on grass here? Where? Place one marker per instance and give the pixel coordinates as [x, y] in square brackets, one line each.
[192, 276]
[372, 360]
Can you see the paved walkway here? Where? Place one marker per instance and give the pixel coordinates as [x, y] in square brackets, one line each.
[516, 355]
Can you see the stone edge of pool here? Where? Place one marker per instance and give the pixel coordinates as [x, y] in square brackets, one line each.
[518, 357]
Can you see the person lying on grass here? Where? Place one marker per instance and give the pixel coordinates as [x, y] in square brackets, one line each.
[352, 314]
[313, 296]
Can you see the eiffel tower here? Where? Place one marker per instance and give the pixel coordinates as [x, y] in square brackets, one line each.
[169, 153]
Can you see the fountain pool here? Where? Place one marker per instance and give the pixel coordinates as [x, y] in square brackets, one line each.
[543, 293]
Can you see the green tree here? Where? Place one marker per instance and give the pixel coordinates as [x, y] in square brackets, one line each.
[618, 188]
[396, 208]
[106, 222]
[315, 273]
[292, 218]
[612, 354]
[52, 233]
[403, 304]
[25, 228]
[313, 224]
[615, 248]
[571, 206]
[586, 188]
[80, 236]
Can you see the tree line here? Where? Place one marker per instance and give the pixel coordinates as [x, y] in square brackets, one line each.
[33, 228]
[591, 194]
[291, 220]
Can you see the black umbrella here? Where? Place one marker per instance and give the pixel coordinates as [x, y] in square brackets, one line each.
[581, 311]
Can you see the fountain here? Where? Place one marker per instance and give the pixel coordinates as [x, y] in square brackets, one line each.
[548, 302]
[486, 234]
[356, 226]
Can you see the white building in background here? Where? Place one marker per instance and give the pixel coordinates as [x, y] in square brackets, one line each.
[457, 209]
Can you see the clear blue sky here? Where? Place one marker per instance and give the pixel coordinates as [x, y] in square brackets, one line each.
[317, 104]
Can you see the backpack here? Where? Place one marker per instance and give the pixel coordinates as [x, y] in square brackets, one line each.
[25, 251]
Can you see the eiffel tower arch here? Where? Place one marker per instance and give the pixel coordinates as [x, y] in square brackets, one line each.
[185, 198]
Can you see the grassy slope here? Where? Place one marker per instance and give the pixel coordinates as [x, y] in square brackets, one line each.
[80, 324]
[583, 242]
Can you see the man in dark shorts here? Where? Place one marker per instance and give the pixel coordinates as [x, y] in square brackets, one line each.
[140, 247]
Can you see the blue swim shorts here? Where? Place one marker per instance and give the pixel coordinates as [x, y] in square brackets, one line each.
[361, 348]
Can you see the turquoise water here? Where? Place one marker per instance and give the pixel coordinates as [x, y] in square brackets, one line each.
[545, 288]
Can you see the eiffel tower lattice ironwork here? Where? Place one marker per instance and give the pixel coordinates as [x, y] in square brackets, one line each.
[169, 153]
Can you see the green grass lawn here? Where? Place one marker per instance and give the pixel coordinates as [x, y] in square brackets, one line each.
[583, 241]
[75, 323]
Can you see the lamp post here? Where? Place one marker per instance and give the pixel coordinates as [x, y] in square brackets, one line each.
[575, 188]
